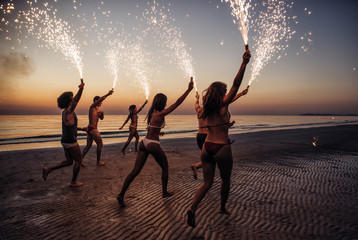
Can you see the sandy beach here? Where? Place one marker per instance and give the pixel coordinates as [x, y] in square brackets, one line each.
[282, 187]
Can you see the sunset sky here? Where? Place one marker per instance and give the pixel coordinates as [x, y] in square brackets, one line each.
[324, 79]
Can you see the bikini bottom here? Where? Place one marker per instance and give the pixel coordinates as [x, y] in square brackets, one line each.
[146, 141]
[69, 145]
[90, 128]
[213, 148]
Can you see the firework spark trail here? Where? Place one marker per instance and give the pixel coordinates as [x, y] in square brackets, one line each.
[171, 37]
[113, 57]
[273, 32]
[240, 10]
[138, 65]
[122, 53]
[56, 33]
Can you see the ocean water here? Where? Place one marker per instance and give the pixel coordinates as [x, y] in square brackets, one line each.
[19, 132]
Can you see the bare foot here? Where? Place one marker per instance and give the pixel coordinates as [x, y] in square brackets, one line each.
[123, 152]
[76, 184]
[168, 194]
[83, 165]
[224, 211]
[191, 218]
[195, 176]
[101, 163]
[120, 201]
[45, 172]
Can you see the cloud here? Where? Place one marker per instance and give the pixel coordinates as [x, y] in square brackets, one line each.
[14, 66]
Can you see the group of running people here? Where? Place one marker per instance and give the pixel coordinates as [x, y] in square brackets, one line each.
[212, 137]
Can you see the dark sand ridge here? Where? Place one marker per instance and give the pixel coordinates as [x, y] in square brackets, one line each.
[282, 188]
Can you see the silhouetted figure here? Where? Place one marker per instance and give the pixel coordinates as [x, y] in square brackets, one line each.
[69, 135]
[203, 130]
[201, 135]
[92, 132]
[217, 149]
[151, 145]
[133, 116]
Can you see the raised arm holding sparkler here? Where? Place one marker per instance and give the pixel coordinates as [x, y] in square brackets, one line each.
[133, 116]
[92, 132]
[69, 135]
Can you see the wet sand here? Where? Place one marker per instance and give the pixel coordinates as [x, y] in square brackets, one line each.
[282, 188]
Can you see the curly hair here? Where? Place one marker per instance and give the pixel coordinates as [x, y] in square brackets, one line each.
[64, 100]
[131, 108]
[213, 99]
[159, 103]
[96, 98]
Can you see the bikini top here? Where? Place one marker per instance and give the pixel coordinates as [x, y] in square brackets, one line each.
[150, 126]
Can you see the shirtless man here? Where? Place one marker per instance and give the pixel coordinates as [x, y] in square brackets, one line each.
[92, 132]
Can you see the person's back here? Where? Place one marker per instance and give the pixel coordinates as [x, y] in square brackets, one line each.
[201, 122]
[69, 127]
[218, 126]
[217, 149]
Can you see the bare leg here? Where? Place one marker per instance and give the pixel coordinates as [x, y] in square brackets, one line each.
[131, 134]
[209, 173]
[98, 139]
[161, 159]
[67, 162]
[136, 140]
[225, 162]
[139, 163]
[87, 148]
[194, 168]
[73, 153]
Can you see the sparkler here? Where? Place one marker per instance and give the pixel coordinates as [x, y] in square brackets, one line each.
[240, 11]
[270, 24]
[315, 141]
[43, 24]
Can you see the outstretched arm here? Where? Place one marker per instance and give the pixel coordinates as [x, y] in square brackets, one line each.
[77, 97]
[238, 79]
[141, 108]
[180, 100]
[99, 100]
[125, 122]
[244, 92]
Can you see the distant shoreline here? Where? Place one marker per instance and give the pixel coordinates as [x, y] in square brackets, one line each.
[327, 114]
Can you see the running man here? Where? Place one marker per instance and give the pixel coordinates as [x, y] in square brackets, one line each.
[92, 132]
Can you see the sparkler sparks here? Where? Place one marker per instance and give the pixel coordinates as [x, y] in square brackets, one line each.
[138, 62]
[113, 57]
[315, 141]
[159, 20]
[240, 11]
[271, 29]
[43, 24]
